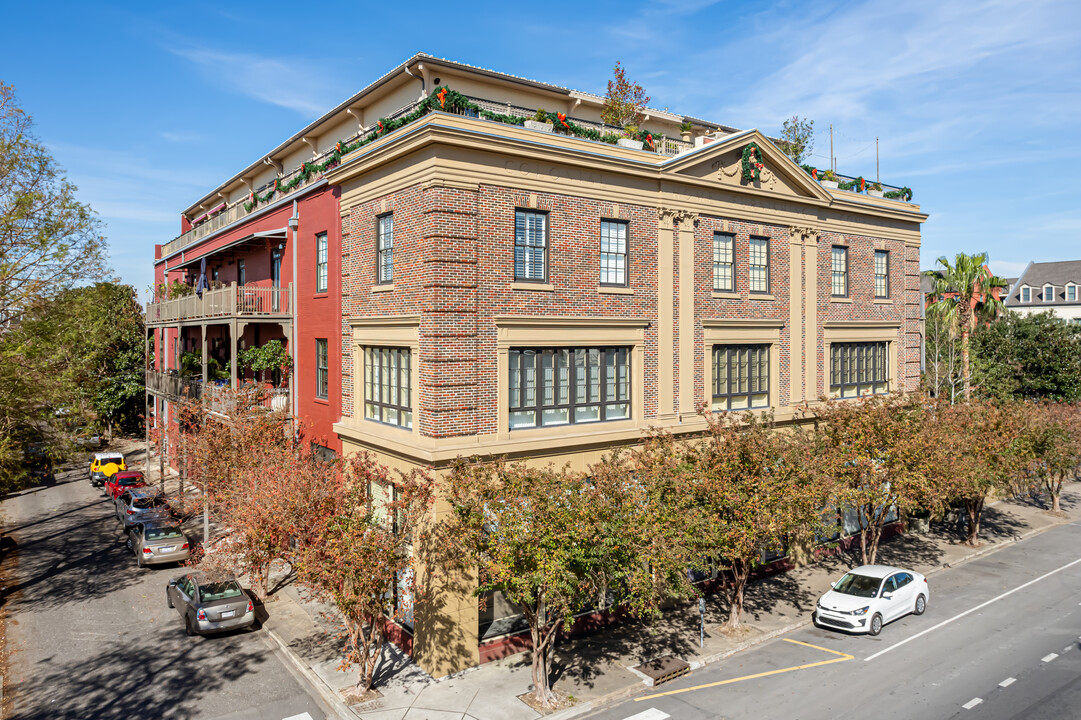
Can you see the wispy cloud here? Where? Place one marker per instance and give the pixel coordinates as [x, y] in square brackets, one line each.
[297, 85]
[182, 136]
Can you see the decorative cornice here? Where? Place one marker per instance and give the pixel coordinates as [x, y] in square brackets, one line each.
[385, 321]
[672, 215]
[858, 324]
[803, 235]
[568, 321]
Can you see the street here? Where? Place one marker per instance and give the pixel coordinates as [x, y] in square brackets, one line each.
[91, 634]
[1001, 638]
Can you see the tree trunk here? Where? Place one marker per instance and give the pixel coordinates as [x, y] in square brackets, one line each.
[541, 636]
[975, 509]
[741, 570]
[965, 375]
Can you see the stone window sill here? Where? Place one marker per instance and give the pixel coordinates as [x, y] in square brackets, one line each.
[607, 290]
[725, 295]
[760, 296]
[383, 288]
[883, 301]
[841, 299]
[539, 287]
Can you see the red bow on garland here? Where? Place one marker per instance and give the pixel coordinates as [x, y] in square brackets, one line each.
[338, 147]
[649, 141]
[381, 130]
[275, 185]
[303, 168]
[442, 95]
[563, 119]
[759, 165]
[814, 173]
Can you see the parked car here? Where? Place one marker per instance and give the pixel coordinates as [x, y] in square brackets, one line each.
[155, 542]
[142, 505]
[104, 465]
[89, 439]
[210, 604]
[125, 480]
[870, 596]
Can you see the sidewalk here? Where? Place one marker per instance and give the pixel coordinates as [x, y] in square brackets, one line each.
[594, 670]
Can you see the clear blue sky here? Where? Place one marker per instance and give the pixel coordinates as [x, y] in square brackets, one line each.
[976, 103]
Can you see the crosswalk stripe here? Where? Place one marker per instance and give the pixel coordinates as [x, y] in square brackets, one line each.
[651, 714]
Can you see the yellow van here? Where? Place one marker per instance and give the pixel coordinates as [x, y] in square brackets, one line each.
[104, 466]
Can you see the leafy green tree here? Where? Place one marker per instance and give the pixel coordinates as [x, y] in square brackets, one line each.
[965, 293]
[797, 138]
[1051, 435]
[1028, 357]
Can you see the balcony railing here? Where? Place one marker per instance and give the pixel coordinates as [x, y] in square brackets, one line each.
[246, 301]
[231, 212]
[220, 399]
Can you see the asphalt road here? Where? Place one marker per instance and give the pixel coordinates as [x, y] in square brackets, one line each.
[92, 636]
[1001, 638]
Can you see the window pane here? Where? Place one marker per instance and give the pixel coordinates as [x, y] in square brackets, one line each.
[722, 262]
[759, 265]
[578, 385]
[530, 245]
[387, 386]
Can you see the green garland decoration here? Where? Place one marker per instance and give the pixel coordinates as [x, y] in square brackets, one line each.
[810, 170]
[752, 170]
[904, 193]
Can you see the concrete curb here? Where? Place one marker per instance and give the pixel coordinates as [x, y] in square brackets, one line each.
[325, 692]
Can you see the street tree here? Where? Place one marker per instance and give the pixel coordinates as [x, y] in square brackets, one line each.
[1051, 436]
[760, 490]
[875, 450]
[965, 292]
[359, 555]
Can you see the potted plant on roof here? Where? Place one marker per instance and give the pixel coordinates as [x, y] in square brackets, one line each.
[875, 189]
[540, 122]
[685, 130]
[623, 106]
[829, 180]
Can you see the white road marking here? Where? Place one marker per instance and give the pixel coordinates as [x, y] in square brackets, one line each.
[651, 714]
[301, 716]
[972, 610]
[1007, 682]
[972, 703]
[1049, 658]
[1068, 648]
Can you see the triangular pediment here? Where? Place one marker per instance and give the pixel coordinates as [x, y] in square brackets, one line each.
[721, 161]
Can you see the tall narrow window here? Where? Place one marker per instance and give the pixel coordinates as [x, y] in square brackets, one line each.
[1049, 293]
[322, 369]
[758, 278]
[839, 271]
[384, 252]
[1026, 294]
[858, 369]
[321, 263]
[723, 277]
[564, 386]
[241, 275]
[1071, 293]
[613, 252]
[882, 274]
[276, 268]
[388, 386]
[530, 246]
[740, 377]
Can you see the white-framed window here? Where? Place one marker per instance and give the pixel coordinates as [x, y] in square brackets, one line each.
[758, 265]
[1026, 294]
[740, 377]
[882, 274]
[1071, 293]
[388, 383]
[724, 279]
[384, 252]
[839, 271]
[321, 262]
[564, 386]
[1049, 293]
[530, 245]
[613, 252]
[858, 368]
[322, 369]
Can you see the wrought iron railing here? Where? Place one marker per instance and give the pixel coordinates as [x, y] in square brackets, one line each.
[216, 398]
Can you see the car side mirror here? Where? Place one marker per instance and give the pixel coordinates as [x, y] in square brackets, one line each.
[833, 583]
[887, 596]
[172, 583]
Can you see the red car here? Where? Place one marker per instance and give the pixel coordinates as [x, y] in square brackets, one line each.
[122, 481]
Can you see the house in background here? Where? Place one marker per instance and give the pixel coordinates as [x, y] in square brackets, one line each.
[1049, 286]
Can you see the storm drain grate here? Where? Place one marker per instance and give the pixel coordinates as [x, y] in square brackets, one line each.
[662, 669]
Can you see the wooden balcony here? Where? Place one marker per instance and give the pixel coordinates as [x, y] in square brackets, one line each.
[216, 398]
[246, 302]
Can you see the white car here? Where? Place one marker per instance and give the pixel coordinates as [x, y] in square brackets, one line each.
[870, 596]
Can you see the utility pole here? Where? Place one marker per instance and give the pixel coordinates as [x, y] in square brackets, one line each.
[833, 158]
[877, 178]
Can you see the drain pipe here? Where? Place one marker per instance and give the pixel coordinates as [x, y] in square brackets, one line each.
[294, 223]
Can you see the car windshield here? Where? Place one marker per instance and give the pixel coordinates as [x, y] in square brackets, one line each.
[130, 481]
[168, 533]
[151, 502]
[220, 591]
[858, 585]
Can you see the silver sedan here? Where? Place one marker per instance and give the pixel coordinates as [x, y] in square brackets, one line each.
[155, 543]
[210, 604]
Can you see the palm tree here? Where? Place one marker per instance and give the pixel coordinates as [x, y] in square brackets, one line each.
[965, 294]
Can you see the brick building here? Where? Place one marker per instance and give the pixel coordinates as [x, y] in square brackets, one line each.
[537, 294]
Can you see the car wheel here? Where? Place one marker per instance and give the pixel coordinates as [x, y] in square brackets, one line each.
[169, 599]
[876, 624]
[187, 627]
[921, 605]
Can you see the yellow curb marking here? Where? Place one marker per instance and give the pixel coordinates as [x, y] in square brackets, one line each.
[842, 658]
